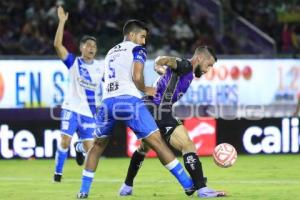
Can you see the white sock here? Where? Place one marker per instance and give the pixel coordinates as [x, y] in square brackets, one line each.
[79, 147]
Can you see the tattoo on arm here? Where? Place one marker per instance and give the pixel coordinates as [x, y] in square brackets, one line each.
[166, 60]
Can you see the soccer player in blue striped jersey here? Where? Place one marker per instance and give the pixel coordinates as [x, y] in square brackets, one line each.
[84, 87]
[123, 82]
[177, 75]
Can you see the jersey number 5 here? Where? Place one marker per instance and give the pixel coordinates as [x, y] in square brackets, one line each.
[112, 70]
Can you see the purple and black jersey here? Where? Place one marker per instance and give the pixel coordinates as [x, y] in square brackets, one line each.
[174, 83]
[170, 88]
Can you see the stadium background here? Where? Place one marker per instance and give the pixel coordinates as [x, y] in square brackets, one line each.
[254, 84]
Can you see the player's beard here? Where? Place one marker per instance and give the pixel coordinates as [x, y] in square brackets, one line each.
[197, 71]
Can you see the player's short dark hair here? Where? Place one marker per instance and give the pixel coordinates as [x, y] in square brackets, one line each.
[134, 25]
[208, 50]
[86, 38]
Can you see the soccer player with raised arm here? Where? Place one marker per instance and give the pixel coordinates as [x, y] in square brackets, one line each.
[78, 109]
[177, 77]
[123, 84]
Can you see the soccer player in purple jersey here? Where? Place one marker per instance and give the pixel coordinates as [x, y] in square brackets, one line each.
[177, 77]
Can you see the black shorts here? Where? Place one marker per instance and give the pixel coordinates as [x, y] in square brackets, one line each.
[163, 118]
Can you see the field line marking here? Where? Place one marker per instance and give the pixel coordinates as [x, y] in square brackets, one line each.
[99, 180]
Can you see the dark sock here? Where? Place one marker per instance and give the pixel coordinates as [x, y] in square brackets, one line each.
[194, 167]
[135, 164]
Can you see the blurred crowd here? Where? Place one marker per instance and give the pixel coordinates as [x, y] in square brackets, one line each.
[266, 16]
[28, 27]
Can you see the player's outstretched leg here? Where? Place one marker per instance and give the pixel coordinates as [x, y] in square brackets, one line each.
[135, 164]
[91, 164]
[181, 141]
[168, 159]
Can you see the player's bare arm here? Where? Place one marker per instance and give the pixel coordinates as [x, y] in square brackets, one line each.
[137, 76]
[138, 79]
[166, 60]
[60, 49]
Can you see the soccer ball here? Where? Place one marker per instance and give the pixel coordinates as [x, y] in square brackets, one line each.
[224, 155]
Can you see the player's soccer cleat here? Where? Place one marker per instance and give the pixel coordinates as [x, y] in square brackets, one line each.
[190, 191]
[79, 156]
[82, 195]
[125, 190]
[209, 193]
[57, 178]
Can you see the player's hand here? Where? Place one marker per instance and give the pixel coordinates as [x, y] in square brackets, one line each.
[62, 15]
[160, 69]
[150, 91]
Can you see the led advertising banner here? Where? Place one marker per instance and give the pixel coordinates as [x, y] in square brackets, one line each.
[35, 133]
[18, 140]
[42, 83]
[37, 138]
[32, 83]
[266, 136]
[202, 132]
[247, 82]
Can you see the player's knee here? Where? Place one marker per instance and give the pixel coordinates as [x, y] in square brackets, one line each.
[143, 148]
[87, 145]
[155, 141]
[155, 138]
[101, 142]
[65, 142]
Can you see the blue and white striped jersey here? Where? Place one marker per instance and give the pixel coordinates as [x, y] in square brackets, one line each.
[84, 86]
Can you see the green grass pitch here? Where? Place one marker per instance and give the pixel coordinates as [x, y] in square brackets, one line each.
[252, 177]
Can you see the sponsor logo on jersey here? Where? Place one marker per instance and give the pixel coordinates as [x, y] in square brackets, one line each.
[168, 128]
[86, 84]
